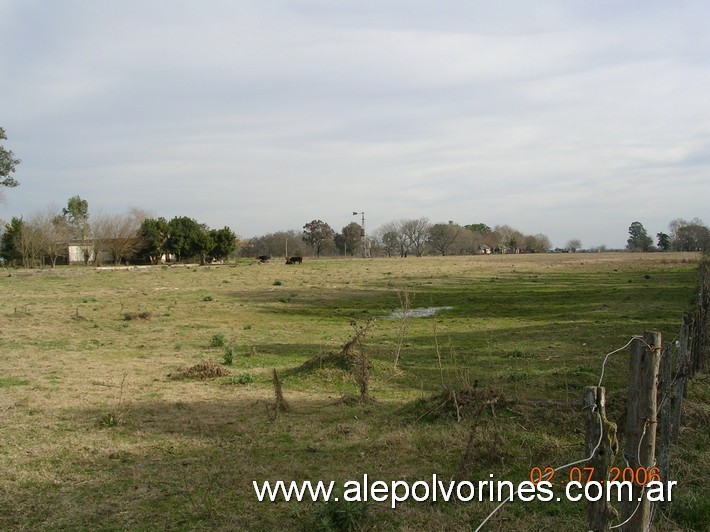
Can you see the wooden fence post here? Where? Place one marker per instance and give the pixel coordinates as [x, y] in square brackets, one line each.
[641, 421]
[602, 433]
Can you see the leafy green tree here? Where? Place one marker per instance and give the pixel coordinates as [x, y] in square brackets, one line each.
[483, 229]
[318, 234]
[638, 238]
[8, 164]
[390, 242]
[664, 241]
[76, 214]
[349, 238]
[224, 242]
[153, 234]
[188, 239]
[442, 238]
[10, 244]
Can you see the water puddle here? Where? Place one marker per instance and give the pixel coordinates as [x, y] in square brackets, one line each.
[421, 312]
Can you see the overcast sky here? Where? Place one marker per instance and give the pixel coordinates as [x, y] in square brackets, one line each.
[568, 118]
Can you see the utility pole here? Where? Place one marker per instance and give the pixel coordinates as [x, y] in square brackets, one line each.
[363, 239]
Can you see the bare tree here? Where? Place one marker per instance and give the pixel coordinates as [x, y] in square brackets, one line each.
[394, 238]
[573, 245]
[538, 243]
[415, 231]
[689, 236]
[100, 231]
[121, 235]
[52, 232]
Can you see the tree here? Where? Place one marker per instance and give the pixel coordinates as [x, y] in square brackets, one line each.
[187, 239]
[638, 238]
[121, 235]
[276, 244]
[664, 241]
[538, 243]
[224, 242]
[349, 238]
[394, 239]
[415, 232]
[318, 234]
[573, 245]
[443, 238]
[8, 164]
[689, 236]
[388, 241]
[10, 245]
[77, 215]
[479, 228]
[153, 239]
[53, 233]
[507, 239]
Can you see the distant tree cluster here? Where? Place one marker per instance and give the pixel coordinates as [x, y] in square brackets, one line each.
[184, 239]
[47, 237]
[682, 235]
[404, 237]
[420, 237]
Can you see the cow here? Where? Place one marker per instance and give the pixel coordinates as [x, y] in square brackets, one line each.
[263, 258]
[294, 260]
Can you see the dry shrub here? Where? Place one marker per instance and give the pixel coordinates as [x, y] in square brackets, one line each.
[351, 358]
[130, 316]
[201, 371]
[280, 404]
[456, 404]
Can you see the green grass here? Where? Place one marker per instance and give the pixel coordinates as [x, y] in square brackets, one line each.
[103, 438]
[6, 382]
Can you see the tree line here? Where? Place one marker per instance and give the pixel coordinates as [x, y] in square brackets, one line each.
[404, 237]
[682, 235]
[49, 236]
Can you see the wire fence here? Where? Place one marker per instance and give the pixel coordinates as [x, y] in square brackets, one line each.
[670, 365]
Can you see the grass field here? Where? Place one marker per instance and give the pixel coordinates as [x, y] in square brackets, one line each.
[100, 430]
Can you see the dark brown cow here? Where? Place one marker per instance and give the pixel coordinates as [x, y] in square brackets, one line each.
[263, 258]
[294, 260]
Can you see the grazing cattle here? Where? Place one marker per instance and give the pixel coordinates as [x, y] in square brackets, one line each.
[263, 258]
[294, 260]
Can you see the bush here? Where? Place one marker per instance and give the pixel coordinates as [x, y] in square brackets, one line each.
[338, 514]
[229, 355]
[218, 340]
[244, 378]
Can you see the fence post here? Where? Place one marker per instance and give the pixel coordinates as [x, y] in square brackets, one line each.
[601, 438]
[641, 421]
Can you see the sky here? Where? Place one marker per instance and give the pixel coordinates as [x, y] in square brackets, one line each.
[571, 118]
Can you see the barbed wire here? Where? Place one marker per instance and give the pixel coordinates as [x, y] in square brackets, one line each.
[556, 469]
[596, 448]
